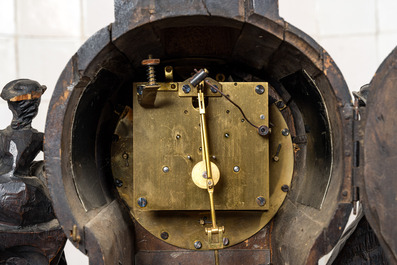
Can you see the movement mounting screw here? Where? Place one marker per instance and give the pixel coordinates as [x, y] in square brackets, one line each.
[142, 202]
[261, 201]
[186, 89]
[280, 104]
[285, 132]
[119, 183]
[197, 244]
[259, 89]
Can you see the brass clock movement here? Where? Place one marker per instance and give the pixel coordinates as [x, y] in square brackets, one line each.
[245, 147]
[202, 163]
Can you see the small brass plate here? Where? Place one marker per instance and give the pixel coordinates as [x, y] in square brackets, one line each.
[170, 86]
[166, 135]
[207, 89]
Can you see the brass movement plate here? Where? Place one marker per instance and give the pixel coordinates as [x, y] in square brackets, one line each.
[184, 227]
[166, 135]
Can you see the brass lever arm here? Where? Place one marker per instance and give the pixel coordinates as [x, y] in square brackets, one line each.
[206, 156]
[215, 233]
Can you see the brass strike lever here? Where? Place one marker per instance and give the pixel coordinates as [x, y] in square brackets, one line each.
[215, 233]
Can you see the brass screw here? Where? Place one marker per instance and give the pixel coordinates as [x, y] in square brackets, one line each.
[75, 236]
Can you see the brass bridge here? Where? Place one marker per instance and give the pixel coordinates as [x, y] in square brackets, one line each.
[215, 237]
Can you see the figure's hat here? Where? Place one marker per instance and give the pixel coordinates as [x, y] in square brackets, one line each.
[22, 89]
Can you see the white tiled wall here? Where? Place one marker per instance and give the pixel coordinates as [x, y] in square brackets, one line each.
[7, 25]
[49, 18]
[358, 34]
[341, 17]
[8, 69]
[38, 37]
[95, 14]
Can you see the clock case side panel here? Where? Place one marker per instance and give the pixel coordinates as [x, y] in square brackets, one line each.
[85, 206]
[377, 164]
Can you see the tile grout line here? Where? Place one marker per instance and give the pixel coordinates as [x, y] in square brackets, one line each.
[357, 35]
[16, 39]
[82, 21]
[317, 20]
[377, 30]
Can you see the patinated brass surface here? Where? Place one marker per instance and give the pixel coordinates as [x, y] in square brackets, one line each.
[166, 135]
[184, 227]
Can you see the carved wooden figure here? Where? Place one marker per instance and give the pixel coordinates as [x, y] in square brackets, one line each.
[29, 231]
